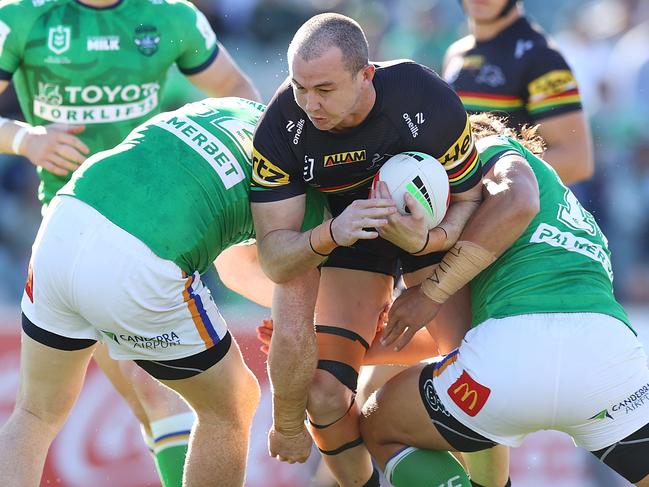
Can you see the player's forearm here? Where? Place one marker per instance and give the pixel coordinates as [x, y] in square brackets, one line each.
[292, 356]
[458, 214]
[511, 202]
[286, 254]
[456, 218]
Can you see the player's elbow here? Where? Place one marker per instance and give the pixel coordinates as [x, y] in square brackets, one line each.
[275, 271]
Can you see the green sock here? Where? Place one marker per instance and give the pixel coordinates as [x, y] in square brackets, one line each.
[412, 467]
[171, 436]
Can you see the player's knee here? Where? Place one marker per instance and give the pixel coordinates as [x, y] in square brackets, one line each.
[50, 417]
[327, 397]
[371, 431]
[251, 392]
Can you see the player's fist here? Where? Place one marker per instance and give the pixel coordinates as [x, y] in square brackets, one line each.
[292, 448]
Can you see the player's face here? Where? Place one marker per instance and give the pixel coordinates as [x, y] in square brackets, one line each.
[483, 10]
[332, 97]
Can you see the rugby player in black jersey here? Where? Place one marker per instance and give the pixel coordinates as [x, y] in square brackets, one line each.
[331, 125]
[507, 65]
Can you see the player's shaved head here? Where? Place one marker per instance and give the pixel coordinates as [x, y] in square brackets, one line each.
[322, 32]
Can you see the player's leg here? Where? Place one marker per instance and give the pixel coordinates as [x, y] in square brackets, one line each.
[400, 435]
[614, 423]
[224, 397]
[372, 377]
[349, 303]
[628, 457]
[50, 381]
[170, 420]
[112, 369]
[487, 467]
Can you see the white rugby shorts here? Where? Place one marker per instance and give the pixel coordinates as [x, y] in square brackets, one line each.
[584, 374]
[92, 280]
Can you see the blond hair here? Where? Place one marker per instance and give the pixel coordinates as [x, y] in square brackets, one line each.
[485, 124]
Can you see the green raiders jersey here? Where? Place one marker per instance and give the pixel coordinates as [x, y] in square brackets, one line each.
[560, 264]
[180, 182]
[102, 67]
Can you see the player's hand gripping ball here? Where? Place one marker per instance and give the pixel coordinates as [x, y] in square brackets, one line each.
[423, 177]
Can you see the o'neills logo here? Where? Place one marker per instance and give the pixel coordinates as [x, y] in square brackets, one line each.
[345, 158]
[414, 129]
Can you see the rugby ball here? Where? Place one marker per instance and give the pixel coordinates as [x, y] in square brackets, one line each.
[423, 177]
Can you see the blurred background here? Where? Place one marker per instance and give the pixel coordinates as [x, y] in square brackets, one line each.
[606, 42]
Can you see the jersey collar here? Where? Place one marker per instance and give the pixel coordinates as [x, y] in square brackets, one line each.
[92, 7]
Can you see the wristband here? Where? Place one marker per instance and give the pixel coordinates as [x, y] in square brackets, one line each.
[331, 232]
[313, 248]
[320, 239]
[425, 245]
[460, 264]
[18, 138]
[3, 121]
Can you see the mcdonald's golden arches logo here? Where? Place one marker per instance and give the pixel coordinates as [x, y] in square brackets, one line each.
[469, 395]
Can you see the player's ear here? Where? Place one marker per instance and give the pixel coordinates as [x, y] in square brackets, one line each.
[368, 72]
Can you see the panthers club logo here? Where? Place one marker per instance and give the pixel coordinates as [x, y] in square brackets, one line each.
[147, 39]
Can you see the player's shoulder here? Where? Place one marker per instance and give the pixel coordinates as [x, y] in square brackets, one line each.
[405, 83]
[494, 142]
[533, 44]
[396, 69]
[183, 8]
[398, 76]
[29, 9]
[460, 47]
[282, 108]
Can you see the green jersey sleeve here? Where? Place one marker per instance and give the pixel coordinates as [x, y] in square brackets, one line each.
[494, 147]
[200, 46]
[16, 20]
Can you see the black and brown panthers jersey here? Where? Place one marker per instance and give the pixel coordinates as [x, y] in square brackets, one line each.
[414, 110]
[517, 73]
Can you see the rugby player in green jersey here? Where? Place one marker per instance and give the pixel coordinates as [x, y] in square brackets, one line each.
[86, 72]
[118, 258]
[550, 347]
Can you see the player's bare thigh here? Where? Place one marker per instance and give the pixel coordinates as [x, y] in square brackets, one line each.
[352, 299]
[395, 416]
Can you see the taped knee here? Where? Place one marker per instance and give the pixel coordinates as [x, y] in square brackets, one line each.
[341, 352]
[340, 435]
